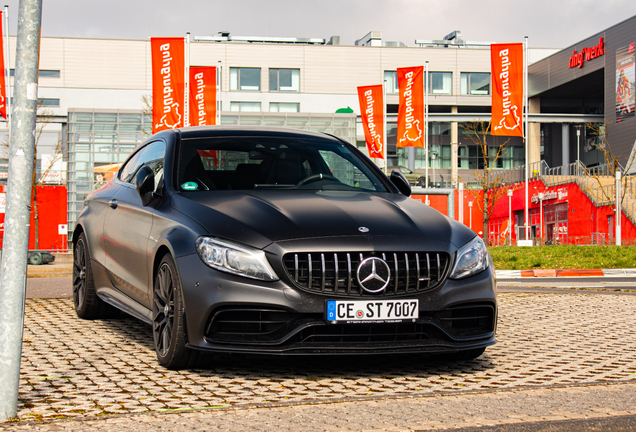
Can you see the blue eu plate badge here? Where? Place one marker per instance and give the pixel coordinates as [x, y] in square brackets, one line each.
[331, 310]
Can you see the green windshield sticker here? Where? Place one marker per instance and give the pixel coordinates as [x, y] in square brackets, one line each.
[190, 186]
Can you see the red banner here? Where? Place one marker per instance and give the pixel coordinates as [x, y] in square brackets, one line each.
[168, 83]
[202, 96]
[3, 86]
[411, 111]
[372, 113]
[507, 89]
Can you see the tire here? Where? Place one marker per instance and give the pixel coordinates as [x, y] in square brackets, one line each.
[168, 320]
[87, 304]
[462, 355]
[35, 258]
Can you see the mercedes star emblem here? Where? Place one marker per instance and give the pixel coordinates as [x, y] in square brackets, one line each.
[373, 275]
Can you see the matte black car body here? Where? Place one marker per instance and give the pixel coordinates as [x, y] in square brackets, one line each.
[313, 240]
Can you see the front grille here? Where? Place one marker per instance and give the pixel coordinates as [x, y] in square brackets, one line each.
[368, 333]
[335, 273]
[468, 320]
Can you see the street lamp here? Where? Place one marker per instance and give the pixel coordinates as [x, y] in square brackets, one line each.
[510, 217]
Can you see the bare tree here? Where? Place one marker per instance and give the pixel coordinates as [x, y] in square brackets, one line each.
[489, 185]
[44, 118]
[146, 110]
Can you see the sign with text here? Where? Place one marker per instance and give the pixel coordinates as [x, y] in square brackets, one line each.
[372, 113]
[507, 83]
[411, 111]
[202, 96]
[168, 83]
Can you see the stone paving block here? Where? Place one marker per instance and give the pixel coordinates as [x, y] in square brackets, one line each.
[543, 340]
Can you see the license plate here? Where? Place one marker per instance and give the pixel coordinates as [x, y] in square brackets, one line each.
[375, 311]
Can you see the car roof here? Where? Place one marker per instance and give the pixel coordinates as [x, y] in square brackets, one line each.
[223, 130]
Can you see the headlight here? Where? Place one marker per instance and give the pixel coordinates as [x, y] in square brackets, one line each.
[233, 258]
[472, 258]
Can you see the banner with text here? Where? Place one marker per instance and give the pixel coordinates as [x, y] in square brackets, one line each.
[507, 84]
[3, 87]
[168, 83]
[202, 95]
[372, 113]
[411, 110]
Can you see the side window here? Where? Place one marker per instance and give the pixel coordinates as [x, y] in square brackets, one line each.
[152, 156]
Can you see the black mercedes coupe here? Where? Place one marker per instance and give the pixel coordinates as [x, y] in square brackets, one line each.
[278, 241]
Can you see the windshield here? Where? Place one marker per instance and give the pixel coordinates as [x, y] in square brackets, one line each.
[249, 163]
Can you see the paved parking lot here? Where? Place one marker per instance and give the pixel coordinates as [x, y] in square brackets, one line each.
[77, 368]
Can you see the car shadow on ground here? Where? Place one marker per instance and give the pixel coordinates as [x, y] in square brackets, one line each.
[308, 367]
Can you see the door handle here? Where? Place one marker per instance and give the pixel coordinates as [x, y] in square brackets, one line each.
[113, 203]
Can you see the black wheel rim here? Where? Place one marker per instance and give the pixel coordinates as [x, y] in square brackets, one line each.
[79, 273]
[163, 310]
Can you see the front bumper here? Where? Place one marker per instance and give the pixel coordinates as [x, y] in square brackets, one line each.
[227, 313]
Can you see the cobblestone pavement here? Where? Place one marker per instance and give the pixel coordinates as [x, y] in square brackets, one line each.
[546, 343]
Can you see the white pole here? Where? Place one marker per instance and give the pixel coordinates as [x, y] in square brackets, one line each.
[510, 217]
[525, 97]
[426, 121]
[470, 214]
[7, 65]
[218, 93]
[578, 146]
[618, 207]
[541, 215]
[386, 132]
[186, 96]
[461, 202]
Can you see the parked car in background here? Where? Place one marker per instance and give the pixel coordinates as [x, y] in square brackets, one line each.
[414, 178]
[276, 241]
[40, 257]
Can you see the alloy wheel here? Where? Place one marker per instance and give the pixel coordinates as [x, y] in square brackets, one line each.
[79, 274]
[163, 310]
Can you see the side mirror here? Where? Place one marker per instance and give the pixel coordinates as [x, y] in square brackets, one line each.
[400, 182]
[145, 184]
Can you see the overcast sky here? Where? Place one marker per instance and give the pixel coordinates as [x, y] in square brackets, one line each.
[547, 23]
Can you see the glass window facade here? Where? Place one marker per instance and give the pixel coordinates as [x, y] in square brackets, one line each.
[341, 125]
[245, 79]
[98, 142]
[286, 80]
[475, 83]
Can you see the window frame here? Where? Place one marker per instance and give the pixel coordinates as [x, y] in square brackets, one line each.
[238, 87]
[430, 80]
[278, 87]
[277, 104]
[469, 90]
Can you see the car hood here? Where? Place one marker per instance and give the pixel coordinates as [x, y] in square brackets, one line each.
[259, 218]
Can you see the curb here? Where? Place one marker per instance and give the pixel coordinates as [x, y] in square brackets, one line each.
[514, 274]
